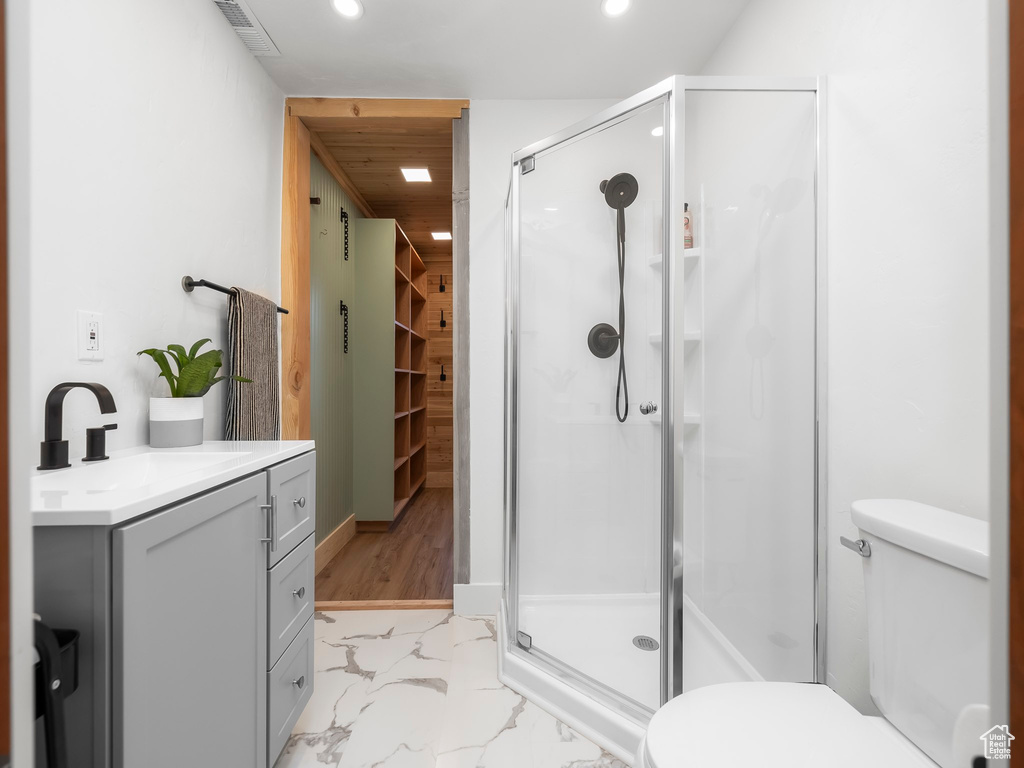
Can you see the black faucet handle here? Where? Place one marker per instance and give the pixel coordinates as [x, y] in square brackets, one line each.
[96, 443]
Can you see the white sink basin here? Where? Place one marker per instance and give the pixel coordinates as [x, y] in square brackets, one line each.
[135, 471]
[137, 481]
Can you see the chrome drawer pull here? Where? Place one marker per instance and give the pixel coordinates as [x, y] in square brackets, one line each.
[268, 508]
[273, 524]
[299, 502]
[300, 592]
[300, 682]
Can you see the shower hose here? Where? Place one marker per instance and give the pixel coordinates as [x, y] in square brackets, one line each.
[621, 388]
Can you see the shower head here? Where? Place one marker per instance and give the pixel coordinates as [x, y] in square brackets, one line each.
[620, 190]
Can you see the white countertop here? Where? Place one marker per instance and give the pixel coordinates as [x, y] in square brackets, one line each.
[139, 480]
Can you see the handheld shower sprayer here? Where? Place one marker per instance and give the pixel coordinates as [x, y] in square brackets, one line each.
[620, 191]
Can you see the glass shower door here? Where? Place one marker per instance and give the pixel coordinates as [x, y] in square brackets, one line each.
[587, 361]
[746, 387]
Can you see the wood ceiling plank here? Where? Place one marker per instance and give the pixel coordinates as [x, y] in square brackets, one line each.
[351, 142]
[360, 126]
[369, 150]
[346, 183]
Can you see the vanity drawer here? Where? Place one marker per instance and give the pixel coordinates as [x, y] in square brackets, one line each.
[292, 488]
[289, 688]
[290, 587]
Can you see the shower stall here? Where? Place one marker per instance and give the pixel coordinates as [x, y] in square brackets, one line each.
[664, 409]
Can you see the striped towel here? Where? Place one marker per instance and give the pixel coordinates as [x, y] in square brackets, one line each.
[254, 410]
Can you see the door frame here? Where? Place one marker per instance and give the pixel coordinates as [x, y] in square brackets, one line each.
[5, 544]
[1007, 136]
[302, 118]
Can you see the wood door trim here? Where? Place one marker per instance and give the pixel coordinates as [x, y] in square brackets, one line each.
[384, 605]
[356, 108]
[1016, 286]
[295, 330]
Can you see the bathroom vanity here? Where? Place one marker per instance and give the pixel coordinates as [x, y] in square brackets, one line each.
[189, 573]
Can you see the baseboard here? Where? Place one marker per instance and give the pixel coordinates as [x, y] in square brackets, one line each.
[386, 526]
[383, 605]
[328, 549]
[373, 526]
[439, 480]
[477, 599]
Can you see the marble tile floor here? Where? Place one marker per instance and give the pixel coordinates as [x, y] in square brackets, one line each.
[419, 689]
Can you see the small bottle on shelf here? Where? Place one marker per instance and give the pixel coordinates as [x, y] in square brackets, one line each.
[687, 227]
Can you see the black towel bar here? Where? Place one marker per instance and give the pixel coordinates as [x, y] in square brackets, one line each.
[189, 285]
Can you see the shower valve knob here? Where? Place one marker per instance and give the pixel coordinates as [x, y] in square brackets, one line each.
[648, 407]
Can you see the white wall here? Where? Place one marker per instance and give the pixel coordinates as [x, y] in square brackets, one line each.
[155, 152]
[497, 129]
[144, 143]
[907, 245]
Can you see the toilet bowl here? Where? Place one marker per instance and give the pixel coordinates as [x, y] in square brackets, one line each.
[771, 725]
[926, 592]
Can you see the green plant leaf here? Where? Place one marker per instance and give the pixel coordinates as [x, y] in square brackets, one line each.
[196, 373]
[178, 354]
[199, 375]
[196, 347]
[160, 358]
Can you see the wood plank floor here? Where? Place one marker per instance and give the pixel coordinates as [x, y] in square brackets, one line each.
[412, 562]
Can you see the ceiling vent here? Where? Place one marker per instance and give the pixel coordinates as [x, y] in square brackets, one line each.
[247, 27]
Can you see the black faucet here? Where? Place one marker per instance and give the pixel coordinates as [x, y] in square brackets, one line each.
[53, 451]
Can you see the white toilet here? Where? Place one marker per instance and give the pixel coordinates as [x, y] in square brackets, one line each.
[926, 589]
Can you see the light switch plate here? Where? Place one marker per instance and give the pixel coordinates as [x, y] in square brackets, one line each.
[90, 335]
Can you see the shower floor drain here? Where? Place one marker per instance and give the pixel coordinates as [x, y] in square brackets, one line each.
[645, 643]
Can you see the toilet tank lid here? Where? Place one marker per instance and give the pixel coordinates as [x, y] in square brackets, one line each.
[942, 535]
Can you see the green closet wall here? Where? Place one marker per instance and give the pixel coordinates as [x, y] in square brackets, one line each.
[332, 279]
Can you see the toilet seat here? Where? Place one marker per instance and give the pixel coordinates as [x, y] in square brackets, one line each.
[771, 725]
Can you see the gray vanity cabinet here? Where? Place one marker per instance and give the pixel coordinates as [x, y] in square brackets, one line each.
[189, 637]
[196, 624]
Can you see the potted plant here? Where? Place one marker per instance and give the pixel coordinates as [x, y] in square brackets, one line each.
[177, 420]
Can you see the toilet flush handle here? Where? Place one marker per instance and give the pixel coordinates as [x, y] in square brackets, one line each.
[860, 546]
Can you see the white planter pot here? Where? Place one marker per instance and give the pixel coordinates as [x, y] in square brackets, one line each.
[175, 421]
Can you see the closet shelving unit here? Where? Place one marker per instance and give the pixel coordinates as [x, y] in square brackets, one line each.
[410, 371]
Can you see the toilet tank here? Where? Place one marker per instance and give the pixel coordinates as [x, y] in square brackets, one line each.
[926, 589]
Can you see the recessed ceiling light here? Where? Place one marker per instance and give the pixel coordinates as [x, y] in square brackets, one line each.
[350, 9]
[659, 131]
[416, 174]
[613, 8]
[441, 235]
[550, 209]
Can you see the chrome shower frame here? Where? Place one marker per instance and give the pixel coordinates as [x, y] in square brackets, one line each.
[672, 93]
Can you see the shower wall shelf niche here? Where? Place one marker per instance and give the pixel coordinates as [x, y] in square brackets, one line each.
[690, 257]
